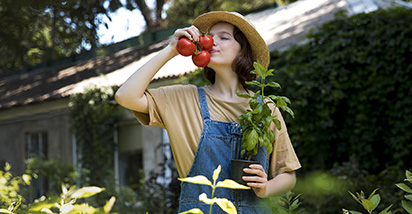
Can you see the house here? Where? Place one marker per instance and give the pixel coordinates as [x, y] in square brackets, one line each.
[34, 116]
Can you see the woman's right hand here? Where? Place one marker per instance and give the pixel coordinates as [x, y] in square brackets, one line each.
[192, 33]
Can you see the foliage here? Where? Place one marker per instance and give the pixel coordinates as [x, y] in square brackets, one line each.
[34, 32]
[407, 205]
[54, 171]
[10, 186]
[369, 204]
[352, 88]
[223, 203]
[257, 120]
[183, 12]
[94, 116]
[288, 203]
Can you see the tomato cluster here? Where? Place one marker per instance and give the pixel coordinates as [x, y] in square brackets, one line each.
[198, 50]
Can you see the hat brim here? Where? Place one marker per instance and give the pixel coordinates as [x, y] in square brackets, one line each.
[260, 50]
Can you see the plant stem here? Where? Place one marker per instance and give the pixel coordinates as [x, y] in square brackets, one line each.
[213, 194]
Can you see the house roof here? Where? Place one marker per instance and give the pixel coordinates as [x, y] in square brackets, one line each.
[280, 27]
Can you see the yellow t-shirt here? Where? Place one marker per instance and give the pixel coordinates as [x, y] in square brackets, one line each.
[176, 108]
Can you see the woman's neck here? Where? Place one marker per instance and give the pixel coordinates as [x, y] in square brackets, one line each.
[226, 86]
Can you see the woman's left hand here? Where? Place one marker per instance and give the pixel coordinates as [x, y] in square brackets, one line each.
[259, 182]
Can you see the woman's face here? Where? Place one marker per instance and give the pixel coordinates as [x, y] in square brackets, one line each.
[225, 48]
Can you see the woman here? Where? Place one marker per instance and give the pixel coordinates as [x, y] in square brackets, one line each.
[203, 122]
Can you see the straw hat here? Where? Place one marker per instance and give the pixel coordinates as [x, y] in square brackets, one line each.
[260, 50]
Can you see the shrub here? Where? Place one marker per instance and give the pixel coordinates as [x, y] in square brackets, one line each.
[351, 87]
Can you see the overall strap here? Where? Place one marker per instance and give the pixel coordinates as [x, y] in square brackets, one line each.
[203, 104]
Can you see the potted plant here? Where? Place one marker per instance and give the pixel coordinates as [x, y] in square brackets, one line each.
[256, 121]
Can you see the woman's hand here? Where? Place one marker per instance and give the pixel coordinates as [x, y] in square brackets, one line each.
[259, 182]
[192, 33]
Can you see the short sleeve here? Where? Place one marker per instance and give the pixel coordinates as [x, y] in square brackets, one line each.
[283, 158]
[156, 102]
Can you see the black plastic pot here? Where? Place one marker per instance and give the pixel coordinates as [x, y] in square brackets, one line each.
[237, 166]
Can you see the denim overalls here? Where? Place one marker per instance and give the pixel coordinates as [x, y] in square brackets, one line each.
[217, 147]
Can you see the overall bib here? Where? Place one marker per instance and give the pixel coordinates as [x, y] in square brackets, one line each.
[216, 147]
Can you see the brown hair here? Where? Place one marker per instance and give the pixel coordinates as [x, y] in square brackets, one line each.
[243, 63]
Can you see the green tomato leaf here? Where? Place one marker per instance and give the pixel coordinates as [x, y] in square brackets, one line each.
[244, 95]
[289, 110]
[273, 85]
[277, 123]
[254, 82]
[252, 140]
[285, 99]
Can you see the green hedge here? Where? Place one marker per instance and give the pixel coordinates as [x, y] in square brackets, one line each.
[351, 91]
[351, 85]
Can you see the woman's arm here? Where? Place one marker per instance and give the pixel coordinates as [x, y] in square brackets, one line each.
[131, 93]
[266, 188]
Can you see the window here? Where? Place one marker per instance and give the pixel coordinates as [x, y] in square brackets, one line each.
[36, 146]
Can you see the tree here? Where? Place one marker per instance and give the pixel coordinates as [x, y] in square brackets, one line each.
[153, 17]
[183, 12]
[39, 31]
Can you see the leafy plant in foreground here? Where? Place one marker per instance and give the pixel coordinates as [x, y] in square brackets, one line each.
[407, 205]
[256, 121]
[223, 203]
[369, 204]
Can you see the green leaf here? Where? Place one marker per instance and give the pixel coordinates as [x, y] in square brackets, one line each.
[385, 211]
[109, 204]
[260, 70]
[193, 211]
[254, 82]
[288, 110]
[277, 123]
[372, 194]
[244, 95]
[49, 203]
[273, 85]
[376, 199]
[226, 205]
[4, 211]
[354, 212]
[285, 99]
[216, 173]
[354, 197]
[231, 184]
[199, 179]
[86, 192]
[409, 197]
[252, 140]
[367, 204]
[404, 187]
[407, 206]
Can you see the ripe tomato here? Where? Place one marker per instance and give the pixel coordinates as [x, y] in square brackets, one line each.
[185, 47]
[201, 59]
[206, 42]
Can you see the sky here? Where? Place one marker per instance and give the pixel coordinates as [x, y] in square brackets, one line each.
[125, 24]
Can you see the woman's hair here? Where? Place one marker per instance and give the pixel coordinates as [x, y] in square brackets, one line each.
[243, 63]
